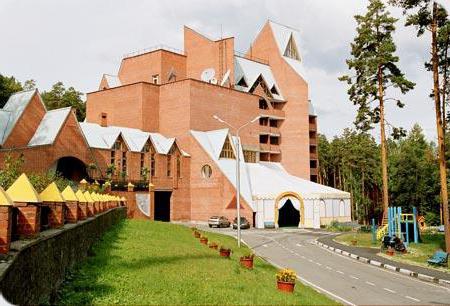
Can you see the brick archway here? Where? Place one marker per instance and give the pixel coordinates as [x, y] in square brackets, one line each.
[71, 168]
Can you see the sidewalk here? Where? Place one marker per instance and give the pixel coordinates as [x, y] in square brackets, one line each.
[371, 254]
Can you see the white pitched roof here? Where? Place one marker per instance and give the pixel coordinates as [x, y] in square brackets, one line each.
[4, 121]
[269, 180]
[15, 106]
[112, 80]
[98, 136]
[251, 70]
[49, 127]
[104, 138]
[212, 142]
[282, 35]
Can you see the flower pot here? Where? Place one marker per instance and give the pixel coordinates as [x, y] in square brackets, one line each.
[247, 262]
[285, 286]
[213, 247]
[354, 242]
[225, 253]
[390, 252]
[196, 234]
[204, 240]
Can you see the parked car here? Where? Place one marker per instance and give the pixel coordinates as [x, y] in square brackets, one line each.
[244, 223]
[218, 221]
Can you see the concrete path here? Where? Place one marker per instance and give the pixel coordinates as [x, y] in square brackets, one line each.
[344, 279]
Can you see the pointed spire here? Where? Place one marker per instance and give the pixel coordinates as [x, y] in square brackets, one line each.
[22, 191]
[80, 196]
[52, 194]
[4, 198]
[69, 195]
[88, 197]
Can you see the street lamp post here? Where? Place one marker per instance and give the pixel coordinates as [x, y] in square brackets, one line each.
[238, 172]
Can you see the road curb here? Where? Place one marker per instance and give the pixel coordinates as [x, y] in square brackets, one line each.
[375, 263]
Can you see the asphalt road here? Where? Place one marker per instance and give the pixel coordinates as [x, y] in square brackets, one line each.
[345, 279]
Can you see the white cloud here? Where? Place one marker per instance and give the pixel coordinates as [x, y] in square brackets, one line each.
[75, 41]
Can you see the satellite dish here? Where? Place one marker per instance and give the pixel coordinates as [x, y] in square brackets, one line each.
[208, 75]
[226, 77]
[214, 81]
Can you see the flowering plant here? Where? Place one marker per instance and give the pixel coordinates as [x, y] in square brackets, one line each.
[287, 276]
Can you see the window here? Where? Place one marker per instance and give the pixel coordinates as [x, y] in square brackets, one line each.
[172, 76]
[178, 166]
[274, 140]
[117, 145]
[142, 163]
[291, 49]
[152, 164]
[169, 165]
[260, 82]
[273, 123]
[155, 79]
[313, 164]
[263, 138]
[264, 121]
[274, 90]
[124, 162]
[227, 150]
[104, 121]
[113, 157]
[263, 104]
[250, 156]
[206, 171]
[242, 82]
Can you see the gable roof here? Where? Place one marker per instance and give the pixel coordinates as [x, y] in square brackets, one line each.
[13, 110]
[251, 70]
[23, 191]
[212, 142]
[282, 36]
[104, 137]
[51, 194]
[112, 80]
[49, 127]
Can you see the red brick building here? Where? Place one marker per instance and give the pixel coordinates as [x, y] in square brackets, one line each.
[156, 122]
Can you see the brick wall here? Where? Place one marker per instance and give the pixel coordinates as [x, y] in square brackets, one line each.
[33, 273]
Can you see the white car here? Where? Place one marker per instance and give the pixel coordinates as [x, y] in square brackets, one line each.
[217, 221]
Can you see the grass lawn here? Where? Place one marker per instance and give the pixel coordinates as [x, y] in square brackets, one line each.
[419, 253]
[363, 240]
[141, 262]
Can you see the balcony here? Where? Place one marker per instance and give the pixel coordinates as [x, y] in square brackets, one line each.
[270, 148]
[313, 171]
[272, 113]
[268, 130]
[313, 142]
[313, 155]
[313, 127]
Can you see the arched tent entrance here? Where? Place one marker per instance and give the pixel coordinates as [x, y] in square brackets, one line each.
[71, 168]
[289, 210]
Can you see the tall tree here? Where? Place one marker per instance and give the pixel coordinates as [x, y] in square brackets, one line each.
[375, 65]
[8, 86]
[59, 97]
[428, 15]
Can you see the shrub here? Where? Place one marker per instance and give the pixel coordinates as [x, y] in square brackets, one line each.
[225, 249]
[287, 276]
[335, 226]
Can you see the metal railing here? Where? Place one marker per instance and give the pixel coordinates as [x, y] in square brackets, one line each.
[154, 48]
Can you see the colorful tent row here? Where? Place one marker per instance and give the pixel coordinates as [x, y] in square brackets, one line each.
[24, 212]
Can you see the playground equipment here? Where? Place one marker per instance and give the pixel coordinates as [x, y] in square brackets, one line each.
[404, 226]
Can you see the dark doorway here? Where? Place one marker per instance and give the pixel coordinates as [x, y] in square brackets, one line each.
[162, 205]
[288, 215]
[71, 168]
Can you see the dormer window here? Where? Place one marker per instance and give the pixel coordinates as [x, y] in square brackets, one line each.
[242, 82]
[227, 150]
[274, 90]
[291, 49]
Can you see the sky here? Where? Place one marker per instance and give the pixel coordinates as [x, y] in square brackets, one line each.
[76, 41]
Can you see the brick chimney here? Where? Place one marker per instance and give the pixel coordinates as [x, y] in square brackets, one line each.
[71, 214]
[53, 200]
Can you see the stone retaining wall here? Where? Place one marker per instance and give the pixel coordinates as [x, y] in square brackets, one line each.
[35, 268]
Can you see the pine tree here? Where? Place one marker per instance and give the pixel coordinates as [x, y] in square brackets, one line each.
[375, 65]
[428, 15]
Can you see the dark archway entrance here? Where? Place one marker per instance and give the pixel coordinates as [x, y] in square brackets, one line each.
[162, 205]
[71, 168]
[288, 215]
